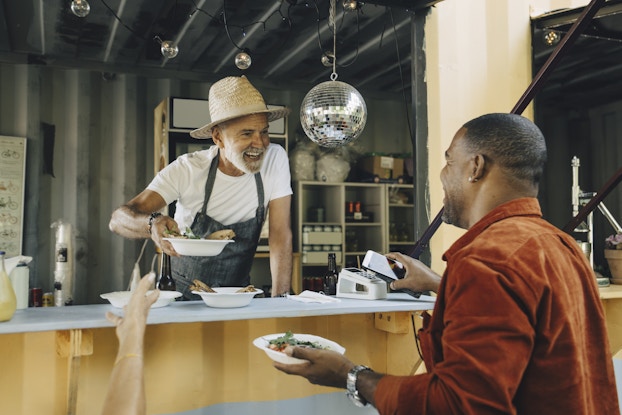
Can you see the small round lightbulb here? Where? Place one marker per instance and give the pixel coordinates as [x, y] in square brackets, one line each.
[80, 8]
[327, 59]
[350, 5]
[243, 60]
[169, 49]
[551, 38]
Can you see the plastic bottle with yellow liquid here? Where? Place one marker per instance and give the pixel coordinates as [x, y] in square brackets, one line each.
[8, 302]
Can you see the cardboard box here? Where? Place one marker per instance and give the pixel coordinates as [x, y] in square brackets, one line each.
[384, 167]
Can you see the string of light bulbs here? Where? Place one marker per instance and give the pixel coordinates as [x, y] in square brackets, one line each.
[169, 49]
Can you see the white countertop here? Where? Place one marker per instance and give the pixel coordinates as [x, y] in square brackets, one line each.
[93, 316]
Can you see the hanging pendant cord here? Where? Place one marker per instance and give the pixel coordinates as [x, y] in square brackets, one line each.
[331, 23]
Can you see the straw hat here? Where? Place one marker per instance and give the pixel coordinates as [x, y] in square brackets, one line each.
[235, 97]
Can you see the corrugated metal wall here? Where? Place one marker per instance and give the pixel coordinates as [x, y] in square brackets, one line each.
[103, 156]
[103, 146]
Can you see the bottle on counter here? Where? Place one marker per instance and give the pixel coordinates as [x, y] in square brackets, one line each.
[20, 281]
[59, 298]
[330, 279]
[166, 281]
[8, 302]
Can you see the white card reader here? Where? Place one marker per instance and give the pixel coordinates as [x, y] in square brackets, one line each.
[361, 284]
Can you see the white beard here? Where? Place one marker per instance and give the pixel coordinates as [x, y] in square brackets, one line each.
[238, 160]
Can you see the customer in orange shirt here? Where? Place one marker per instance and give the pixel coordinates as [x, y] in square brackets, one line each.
[518, 326]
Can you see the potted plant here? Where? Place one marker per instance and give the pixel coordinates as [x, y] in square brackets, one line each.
[613, 254]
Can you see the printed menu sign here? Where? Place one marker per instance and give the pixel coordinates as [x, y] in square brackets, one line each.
[12, 171]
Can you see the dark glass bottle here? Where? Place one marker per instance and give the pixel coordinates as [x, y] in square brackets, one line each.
[330, 279]
[166, 281]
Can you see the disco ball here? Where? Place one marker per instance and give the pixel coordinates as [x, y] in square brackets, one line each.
[333, 113]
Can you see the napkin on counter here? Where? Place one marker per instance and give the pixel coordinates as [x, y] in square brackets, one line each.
[313, 297]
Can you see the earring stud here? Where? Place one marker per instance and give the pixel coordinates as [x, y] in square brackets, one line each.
[470, 178]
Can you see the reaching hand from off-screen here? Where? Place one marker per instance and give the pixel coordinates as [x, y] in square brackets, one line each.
[131, 327]
[126, 391]
[325, 367]
[418, 276]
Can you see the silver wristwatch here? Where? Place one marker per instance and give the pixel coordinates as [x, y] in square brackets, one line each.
[352, 392]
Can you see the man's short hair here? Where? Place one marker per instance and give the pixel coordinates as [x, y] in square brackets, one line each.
[513, 142]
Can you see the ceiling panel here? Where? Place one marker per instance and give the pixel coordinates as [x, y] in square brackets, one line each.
[285, 38]
[589, 73]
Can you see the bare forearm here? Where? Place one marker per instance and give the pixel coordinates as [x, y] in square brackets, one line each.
[366, 384]
[127, 392]
[132, 219]
[130, 223]
[281, 266]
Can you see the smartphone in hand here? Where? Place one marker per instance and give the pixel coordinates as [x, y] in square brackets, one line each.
[386, 268]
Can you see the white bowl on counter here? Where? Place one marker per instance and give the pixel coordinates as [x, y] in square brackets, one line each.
[199, 247]
[120, 299]
[227, 297]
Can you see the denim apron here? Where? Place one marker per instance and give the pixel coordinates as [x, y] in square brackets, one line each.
[232, 266]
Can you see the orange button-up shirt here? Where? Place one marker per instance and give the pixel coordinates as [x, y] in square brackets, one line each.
[518, 327]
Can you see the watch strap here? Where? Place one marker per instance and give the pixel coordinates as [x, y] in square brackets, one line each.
[351, 390]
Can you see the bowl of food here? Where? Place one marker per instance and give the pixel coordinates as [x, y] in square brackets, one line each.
[189, 244]
[274, 344]
[198, 247]
[228, 297]
[120, 299]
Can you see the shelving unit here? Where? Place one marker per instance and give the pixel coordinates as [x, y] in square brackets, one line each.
[356, 215]
[401, 218]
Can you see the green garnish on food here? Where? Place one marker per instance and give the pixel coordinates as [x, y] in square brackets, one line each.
[188, 234]
[288, 339]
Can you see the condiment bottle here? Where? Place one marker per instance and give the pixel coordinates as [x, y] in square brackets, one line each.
[166, 281]
[8, 302]
[330, 279]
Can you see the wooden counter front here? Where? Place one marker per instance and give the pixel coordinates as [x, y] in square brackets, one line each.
[612, 303]
[198, 360]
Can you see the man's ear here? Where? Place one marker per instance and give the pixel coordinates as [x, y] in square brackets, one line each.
[217, 137]
[479, 167]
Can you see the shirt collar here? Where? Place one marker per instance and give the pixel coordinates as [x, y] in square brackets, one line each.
[528, 206]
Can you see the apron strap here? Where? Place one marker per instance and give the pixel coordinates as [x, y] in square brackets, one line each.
[209, 183]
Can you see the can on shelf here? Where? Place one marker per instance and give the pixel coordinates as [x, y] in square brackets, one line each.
[48, 300]
[36, 297]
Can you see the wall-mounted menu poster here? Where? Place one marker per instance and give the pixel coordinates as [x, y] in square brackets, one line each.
[12, 179]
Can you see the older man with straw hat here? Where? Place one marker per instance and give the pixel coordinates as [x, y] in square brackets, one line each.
[231, 185]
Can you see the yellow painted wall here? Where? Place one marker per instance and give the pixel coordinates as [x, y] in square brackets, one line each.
[478, 61]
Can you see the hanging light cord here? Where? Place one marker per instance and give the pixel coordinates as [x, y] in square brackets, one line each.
[331, 23]
[397, 51]
[262, 22]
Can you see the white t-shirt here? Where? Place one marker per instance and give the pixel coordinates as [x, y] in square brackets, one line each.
[233, 199]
